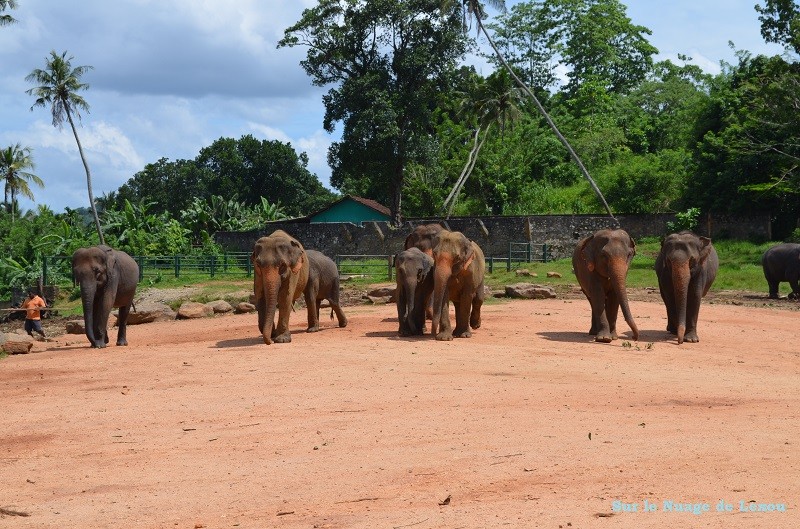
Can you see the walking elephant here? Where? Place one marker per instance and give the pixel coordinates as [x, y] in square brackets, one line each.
[601, 263]
[782, 263]
[281, 270]
[459, 269]
[107, 279]
[686, 267]
[414, 273]
[323, 283]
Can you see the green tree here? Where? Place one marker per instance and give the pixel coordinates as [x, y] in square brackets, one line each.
[15, 160]
[5, 18]
[168, 186]
[474, 8]
[386, 61]
[780, 22]
[58, 86]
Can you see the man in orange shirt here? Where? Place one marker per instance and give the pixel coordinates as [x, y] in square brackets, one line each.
[33, 305]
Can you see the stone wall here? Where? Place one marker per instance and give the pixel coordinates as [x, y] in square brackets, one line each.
[493, 234]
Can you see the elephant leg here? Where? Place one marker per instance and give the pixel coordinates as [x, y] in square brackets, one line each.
[402, 318]
[463, 308]
[122, 333]
[313, 310]
[280, 333]
[445, 330]
[477, 303]
[100, 324]
[668, 296]
[599, 316]
[612, 309]
[693, 300]
[261, 307]
[795, 290]
[337, 309]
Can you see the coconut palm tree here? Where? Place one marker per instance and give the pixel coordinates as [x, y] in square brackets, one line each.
[15, 160]
[7, 20]
[58, 87]
[474, 9]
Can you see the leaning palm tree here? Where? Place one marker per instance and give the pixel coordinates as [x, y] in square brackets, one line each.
[7, 20]
[58, 86]
[15, 160]
[474, 8]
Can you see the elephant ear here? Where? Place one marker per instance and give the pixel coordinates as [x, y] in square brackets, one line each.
[633, 249]
[111, 261]
[587, 253]
[298, 256]
[705, 248]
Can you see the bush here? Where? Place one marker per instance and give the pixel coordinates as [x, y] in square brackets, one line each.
[686, 220]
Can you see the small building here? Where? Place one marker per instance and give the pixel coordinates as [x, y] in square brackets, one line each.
[352, 209]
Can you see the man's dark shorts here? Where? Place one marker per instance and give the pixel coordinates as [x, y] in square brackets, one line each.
[33, 325]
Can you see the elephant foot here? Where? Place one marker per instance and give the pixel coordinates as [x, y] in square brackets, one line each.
[314, 328]
[475, 323]
[122, 342]
[672, 329]
[604, 338]
[793, 295]
[444, 336]
[99, 345]
[464, 334]
[283, 338]
[343, 322]
[691, 337]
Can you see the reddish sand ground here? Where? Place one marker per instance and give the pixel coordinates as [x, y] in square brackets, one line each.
[526, 424]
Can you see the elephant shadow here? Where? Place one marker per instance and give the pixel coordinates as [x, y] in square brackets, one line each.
[578, 337]
[392, 335]
[241, 342]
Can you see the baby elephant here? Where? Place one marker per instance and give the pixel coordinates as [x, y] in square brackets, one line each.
[414, 289]
[323, 283]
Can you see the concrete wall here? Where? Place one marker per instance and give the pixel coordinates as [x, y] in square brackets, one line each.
[493, 234]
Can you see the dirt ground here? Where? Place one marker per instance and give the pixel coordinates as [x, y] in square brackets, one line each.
[526, 424]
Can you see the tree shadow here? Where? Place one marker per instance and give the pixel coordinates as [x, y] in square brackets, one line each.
[241, 342]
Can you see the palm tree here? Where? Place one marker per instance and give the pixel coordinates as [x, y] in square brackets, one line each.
[15, 160]
[474, 8]
[7, 20]
[58, 86]
[493, 100]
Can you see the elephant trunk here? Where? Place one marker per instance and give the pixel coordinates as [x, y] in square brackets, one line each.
[441, 277]
[411, 290]
[680, 285]
[271, 282]
[88, 291]
[617, 273]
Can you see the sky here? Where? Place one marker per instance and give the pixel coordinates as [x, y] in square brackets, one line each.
[171, 77]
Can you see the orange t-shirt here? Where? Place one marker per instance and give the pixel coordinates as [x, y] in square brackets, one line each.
[33, 307]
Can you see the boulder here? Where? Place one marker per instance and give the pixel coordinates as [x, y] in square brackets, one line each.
[192, 309]
[150, 312]
[379, 300]
[17, 343]
[382, 292]
[529, 291]
[220, 306]
[525, 272]
[74, 327]
[553, 274]
[244, 308]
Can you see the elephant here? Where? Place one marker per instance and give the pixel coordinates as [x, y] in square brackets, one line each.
[601, 263]
[107, 279]
[782, 263]
[281, 270]
[686, 267]
[424, 237]
[459, 269]
[323, 283]
[414, 289]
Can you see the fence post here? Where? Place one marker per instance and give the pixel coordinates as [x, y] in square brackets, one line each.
[389, 261]
[247, 267]
[528, 248]
[44, 271]
[491, 264]
[213, 264]
[508, 262]
[544, 252]
[140, 262]
[177, 265]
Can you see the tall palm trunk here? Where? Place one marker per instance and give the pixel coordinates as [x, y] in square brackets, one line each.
[88, 176]
[452, 198]
[547, 118]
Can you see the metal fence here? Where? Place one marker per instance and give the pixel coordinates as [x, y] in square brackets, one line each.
[57, 270]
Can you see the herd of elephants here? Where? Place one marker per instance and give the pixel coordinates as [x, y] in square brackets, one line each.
[437, 267]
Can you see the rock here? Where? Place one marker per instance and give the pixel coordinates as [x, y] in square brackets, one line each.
[244, 308]
[526, 272]
[252, 299]
[220, 306]
[192, 309]
[74, 327]
[17, 343]
[150, 312]
[382, 292]
[379, 300]
[553, 274]
[529, 291]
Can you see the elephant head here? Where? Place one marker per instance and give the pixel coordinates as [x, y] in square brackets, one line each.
[452, 257]
[606, 255]
[414, 287]
[424, 237]
[280, 273]
[684, 266]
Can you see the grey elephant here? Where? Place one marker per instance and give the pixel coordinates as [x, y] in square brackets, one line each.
[686, 267]
[281, 269]
[782, 263]
[458, 276]
[323, 283]
[107, 279]
[414, 273]
[424, 237]
[601, 263]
